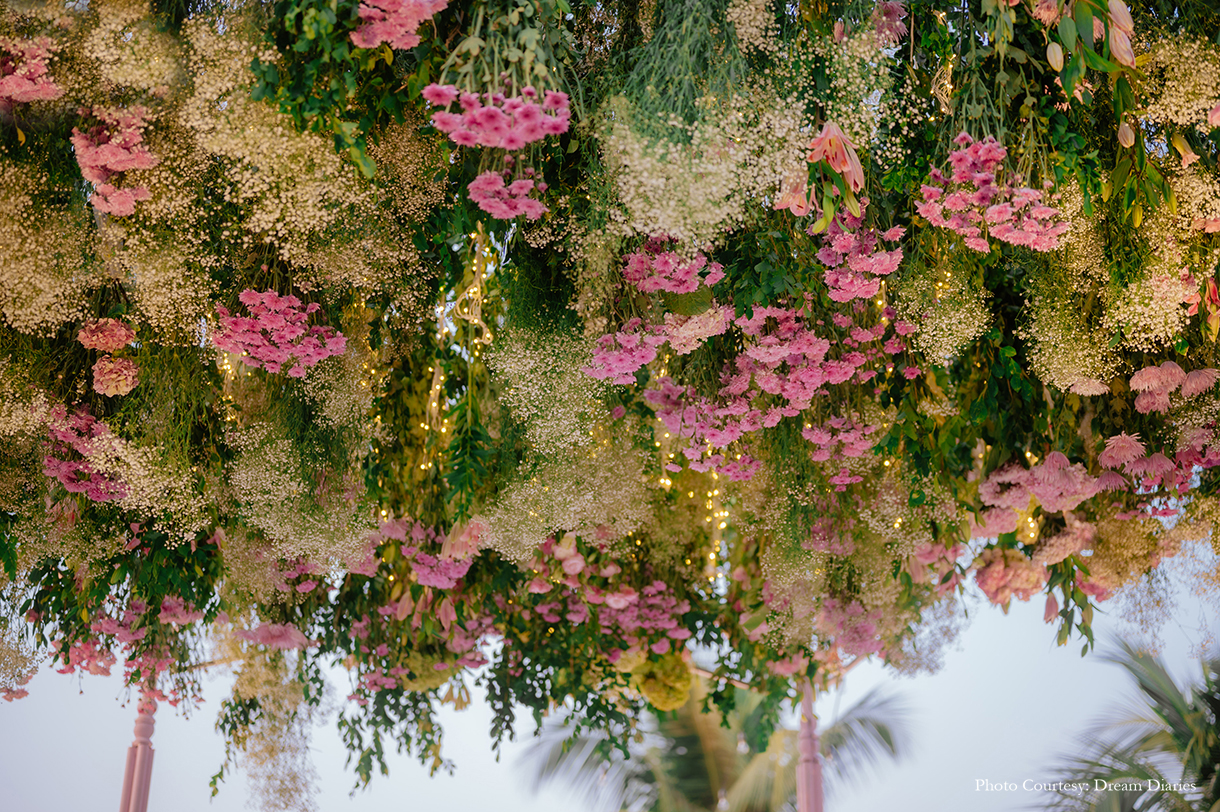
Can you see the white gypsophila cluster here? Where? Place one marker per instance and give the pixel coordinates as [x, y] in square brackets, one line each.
[695, 187]
[754, 24]
[948, 309]
[1063, 351]
[1150, 311]
[544, 388]
[154, 487]
[578, 489]
[860, 82]
[1184, 82]
[45, 269]
[292, 185]
[19, 659]
[940, 627]
[320, 520]
[1083, 251]
[407, 166]
[275, 747]
[342, 387]
[130, 48]
[1197, 190]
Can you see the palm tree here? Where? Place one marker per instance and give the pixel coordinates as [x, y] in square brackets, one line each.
[1165, 756]
[691, 763]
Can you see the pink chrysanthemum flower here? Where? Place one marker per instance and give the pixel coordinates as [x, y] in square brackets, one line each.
[1112, 481]
[1199, 381]
[1121, 449]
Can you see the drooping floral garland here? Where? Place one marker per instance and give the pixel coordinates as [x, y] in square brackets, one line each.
[814, 322]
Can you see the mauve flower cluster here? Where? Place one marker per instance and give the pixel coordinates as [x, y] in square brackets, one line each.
[393, 22]
[849, 627]
[489, 193]
[1002, 572]
[619, 355]
[1057, 484]
[655, 269]
[1155, 383]
[887, 22]
[275, 334]
[786, 360]
[846, 241]
[495, 120]
[23, 71]
[88, 655]
[179, 612]
[1015, 215]
[109, 147]
[274, 635]
[106, 335]
[934, 562]
[75, 434]
[648, 619]
[115, 376]
[687, 333]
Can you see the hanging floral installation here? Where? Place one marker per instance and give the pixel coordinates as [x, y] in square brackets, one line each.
[571, 347]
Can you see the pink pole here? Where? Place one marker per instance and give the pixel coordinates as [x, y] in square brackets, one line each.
[139, 760]
[809, 767]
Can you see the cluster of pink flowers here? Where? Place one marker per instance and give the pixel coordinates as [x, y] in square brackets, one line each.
[850, 253]
[490, 194]
[503, 122]
[1057, 484]
[106, 335]
[650, 619]
[112, 146]
[1002, 572]
[1156, 383]
[393, 22]
[76, 433]
[430, 570]
[494, 120]
[111, 376]
[887, 21]
[840, 435]
[87, 655]
[619, 355]
[179, 612]
[115, 376]
[23, 72]
[274, 635]
[786, 360]
[934, 562]
[854, 630]
[276, 334]
[976, 202]
[655, 269]
[121, 627]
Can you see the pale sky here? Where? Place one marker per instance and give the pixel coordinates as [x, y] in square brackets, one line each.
[1001, 709]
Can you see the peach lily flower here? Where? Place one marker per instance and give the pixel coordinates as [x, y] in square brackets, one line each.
[794, 196]
[839, 152]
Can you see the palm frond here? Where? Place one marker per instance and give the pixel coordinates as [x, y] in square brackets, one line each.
[871, 731]
[598, 777]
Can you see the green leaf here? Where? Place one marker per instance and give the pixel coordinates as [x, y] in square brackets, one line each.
[1067, 33]
[1084, 22]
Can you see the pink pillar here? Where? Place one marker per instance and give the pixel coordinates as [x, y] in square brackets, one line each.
[809, 767]
[139, 760]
